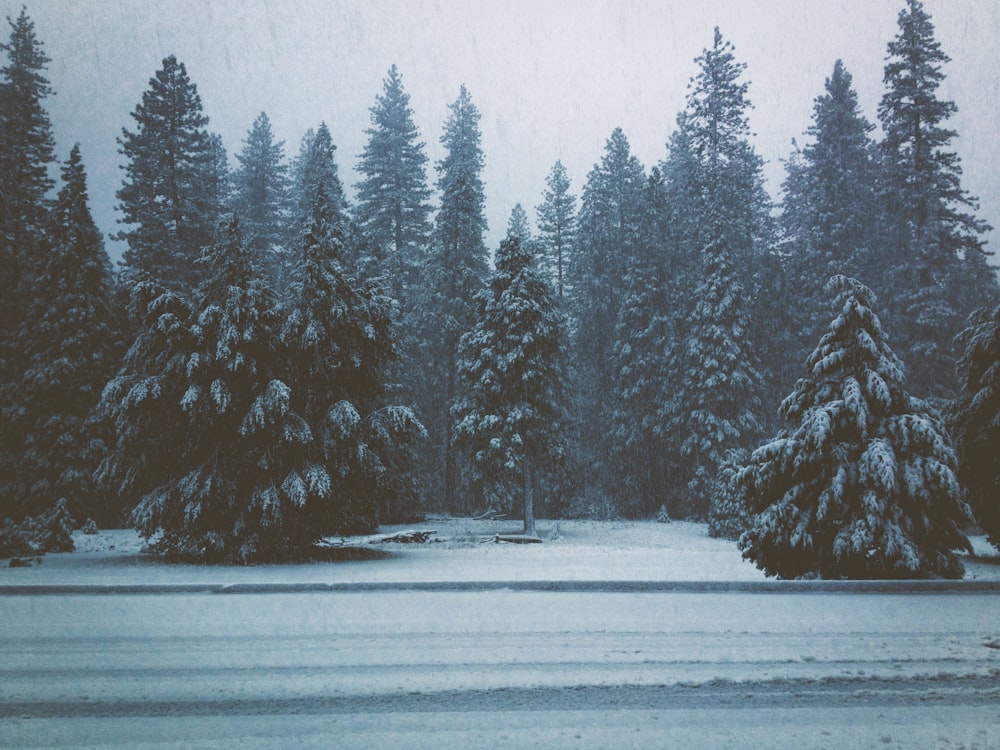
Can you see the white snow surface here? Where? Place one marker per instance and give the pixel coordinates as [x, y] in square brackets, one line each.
[417, 669]
[460, 550]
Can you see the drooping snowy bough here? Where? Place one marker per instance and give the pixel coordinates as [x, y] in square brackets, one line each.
[864, 485]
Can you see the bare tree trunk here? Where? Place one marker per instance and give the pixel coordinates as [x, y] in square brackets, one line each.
[529, 501]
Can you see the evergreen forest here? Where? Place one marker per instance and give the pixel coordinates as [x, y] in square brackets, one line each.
[280, 357]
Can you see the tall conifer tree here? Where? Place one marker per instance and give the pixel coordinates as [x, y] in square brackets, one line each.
[393, 208]
[829, 211]
[261, 198]
[171, 197]
[556, 227]
[26, 154]
[937, 265]
[69, 339]
[457, 269]
[509, 411]
[609, 232]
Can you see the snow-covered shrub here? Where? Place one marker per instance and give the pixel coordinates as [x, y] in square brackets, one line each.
[51, 531]
[863, 485]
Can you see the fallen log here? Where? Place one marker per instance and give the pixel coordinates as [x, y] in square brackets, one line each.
[407, 536]
[517, 539]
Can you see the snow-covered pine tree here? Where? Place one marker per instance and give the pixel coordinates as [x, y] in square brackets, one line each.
[393, 208]
[609, 230]
[224, 501]
[340, 339]
[645, 337]
[718, 168]
[974, 417]
[456, 271]
[509, 412]
[556, 220]
[69, 338]
[728, 171]
[26, 154]
[829, 212]
[716, 397]
[260, 198]
[937, 267]
[170, 199]
[314, 166]
[143, 401]
[863, 483]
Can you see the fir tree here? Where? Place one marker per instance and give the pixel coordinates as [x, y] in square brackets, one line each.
[69, 345]
[393, 208]
[974, 419]
[457, 268]
[171, 196]
[556, 226]
[261, 198]
[509, 411]
[863, 485]
[937, 264]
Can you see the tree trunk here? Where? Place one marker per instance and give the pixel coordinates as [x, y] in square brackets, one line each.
[529, 501]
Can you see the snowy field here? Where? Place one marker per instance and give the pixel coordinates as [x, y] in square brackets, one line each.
[491, 666]
[460, 550]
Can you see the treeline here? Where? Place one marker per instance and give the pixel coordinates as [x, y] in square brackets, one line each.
[273, 362]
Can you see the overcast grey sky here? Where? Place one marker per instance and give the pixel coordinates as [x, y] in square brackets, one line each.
[551, 78]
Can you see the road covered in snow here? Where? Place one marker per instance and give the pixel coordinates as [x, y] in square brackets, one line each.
[504, 666]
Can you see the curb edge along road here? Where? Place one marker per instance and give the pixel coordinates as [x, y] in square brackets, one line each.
[611, 586]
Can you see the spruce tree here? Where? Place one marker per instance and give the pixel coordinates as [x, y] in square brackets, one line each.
[69, 339]
[937, 266]
[556, 219]
[261, 198]
[456, 271]
[863, 483]
[973, 417]
[509, 412]
[393, 208]
[171, 196]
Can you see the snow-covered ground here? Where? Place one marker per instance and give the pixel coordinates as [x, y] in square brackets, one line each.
[482, 667]
[460, 550]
